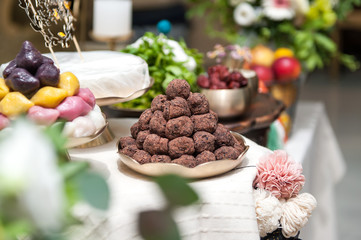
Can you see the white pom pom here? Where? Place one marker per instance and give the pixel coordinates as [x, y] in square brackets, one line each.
[296, 212]
[268, 210]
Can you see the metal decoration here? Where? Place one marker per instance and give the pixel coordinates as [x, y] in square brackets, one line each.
[44, 14]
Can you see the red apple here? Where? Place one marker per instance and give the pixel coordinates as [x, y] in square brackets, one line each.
[286, 69]
[265, 74]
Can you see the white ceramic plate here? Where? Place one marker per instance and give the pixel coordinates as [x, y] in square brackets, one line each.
[204, 170]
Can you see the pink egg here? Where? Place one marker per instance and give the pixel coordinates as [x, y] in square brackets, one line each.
[73, 107]
[4, 121]
[87, 96]
[43, 116]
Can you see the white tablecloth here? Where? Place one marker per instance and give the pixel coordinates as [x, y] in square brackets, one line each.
[226, 210]
[313, 143]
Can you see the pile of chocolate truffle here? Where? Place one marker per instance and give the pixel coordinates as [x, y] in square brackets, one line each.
[179, 128]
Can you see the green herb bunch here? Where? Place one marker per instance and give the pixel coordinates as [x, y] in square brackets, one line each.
[162, 67]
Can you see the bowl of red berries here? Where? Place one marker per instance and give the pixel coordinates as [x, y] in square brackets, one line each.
[229, 92]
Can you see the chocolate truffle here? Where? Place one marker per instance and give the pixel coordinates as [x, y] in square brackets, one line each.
[198, 103]
[157, 124]
[142, 157]
[142, 135]
[239, 145]
[129, 150]
[125, 141]
[226, 152]
[176, 108]
[181, 146]
[205, 122]
[154, 144]
[158, 103]
[178, 127]
[134, 130]
[161, 159]
[223, 136]
[186, 160]
[178, 88]
[204, 141]
[204, 157]
[214, 114]
[144, 119]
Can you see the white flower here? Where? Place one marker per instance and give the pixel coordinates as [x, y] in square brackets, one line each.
[278, 9]
[244, 14]
[29, 170]
[268, 211]
[301, 6]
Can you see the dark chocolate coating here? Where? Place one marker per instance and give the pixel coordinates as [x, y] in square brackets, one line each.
[186, 160]
[178, 127]
[144, 119]
[158, 103]
[161, 159]
[158, 124]
[134, 130]
[204, 157]
[155, 145]
[142, 157]
[223, 136]
[9, 68]
[125, 141]
[129, 150]
[204, 122]
[198, 103]
[226, 152]
[48, 75]
[178, 88]
[176, 108]
[204, 141]
[181, 146]
[142, 135]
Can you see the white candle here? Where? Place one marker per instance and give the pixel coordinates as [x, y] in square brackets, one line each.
[112, 18]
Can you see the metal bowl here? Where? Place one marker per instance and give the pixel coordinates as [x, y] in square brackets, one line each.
[229, 103]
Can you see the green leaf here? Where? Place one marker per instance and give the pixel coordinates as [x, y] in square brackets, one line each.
[176, 190]
[71, 169]
[325, 42]
[350, 62]
[93, 189]
[157, 225]
[175, 70]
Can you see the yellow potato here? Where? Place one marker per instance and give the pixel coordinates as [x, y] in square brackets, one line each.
[4, 89]
[69, 82]
[14, 104]
[49, 97]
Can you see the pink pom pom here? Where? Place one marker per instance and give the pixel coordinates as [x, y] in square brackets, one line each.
[279, 174]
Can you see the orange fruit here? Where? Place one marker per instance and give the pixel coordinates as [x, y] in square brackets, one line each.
[283, 52]
[262, 55]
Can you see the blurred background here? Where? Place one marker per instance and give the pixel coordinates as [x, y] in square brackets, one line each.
[337, 87]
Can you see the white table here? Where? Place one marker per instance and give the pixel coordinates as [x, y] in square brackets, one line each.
[313, 143]
[226, 210]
